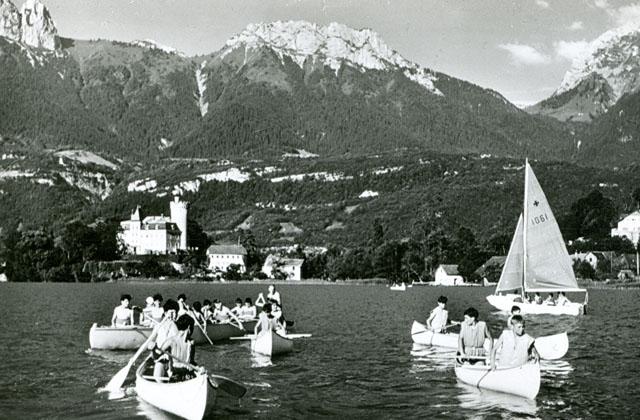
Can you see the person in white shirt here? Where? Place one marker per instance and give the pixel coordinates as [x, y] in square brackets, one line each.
[223, 314]
[122, 314]
[248, 311]
[238, 308]
[438, 317]
[145, 317]
[562, 299]
[516, 346]
[182, 303]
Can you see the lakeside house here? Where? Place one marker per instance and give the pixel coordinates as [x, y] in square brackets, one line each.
[629, 227]
[155, 234]
[277, 267]
[448, 275]
[221, 257]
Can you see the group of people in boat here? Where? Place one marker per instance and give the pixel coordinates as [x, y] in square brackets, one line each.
[170, 344]
[516, 347]
[550, 299]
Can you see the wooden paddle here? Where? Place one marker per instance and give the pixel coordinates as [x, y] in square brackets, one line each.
[118, 379]
[231, 387]
[204, 330]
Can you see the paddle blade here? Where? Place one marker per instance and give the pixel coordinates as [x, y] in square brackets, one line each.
[552, 347]
[118, 379]
[229, 386]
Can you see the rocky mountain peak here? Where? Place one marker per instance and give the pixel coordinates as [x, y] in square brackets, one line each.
[614, 56]
[32, 25]
[335, 45]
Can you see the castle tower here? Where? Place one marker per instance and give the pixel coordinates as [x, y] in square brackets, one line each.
[179, 217]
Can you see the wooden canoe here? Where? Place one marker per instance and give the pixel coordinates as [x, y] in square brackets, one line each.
[118, 338]
[549, 347]
[190, 399]
[271, 343]
[222, 331]
[523, 381]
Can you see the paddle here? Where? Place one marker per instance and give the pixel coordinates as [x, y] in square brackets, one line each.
[253, 336]
[118, 379]
[231, 387]
[204, 331]
[453, 323]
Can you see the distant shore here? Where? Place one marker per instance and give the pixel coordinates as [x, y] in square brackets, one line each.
[366, 282]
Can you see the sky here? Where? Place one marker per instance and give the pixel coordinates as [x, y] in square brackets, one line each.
[520, 48]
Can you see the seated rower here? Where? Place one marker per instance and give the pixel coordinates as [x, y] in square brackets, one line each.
[537, 299]
[161, 333]
[145, 316]
[280, 324]
[178, 345]
[515, 310]
[517, 346]
[274, 294]
[562, 299]
[248, 311]
[438, 317]
[182, 303]
[197, 312]
[472, 336]
[238, 308]
[222, 314]
[157, 312]
[550, 301]
[122, 314]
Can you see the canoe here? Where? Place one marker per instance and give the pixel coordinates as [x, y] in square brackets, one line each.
[523, 381]
[222, 331]
[271, 343]
[118, 338]
[398, 287]
[549, 347]
[190, 399]
[506, 302]
[421, 335]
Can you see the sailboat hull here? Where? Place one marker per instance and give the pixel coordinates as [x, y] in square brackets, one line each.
[505, 302]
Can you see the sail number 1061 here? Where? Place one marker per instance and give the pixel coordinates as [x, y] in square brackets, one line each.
[536, 220]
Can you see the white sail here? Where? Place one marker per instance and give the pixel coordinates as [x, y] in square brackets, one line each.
[511, 276]
[548, 265]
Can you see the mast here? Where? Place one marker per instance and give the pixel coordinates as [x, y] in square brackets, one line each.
[525, 223]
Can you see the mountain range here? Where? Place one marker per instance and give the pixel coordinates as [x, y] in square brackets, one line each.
[90, 128]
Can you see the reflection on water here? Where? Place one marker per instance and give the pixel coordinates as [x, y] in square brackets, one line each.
[431, 358]
[484, 401]
[149, 411]
[260, 360]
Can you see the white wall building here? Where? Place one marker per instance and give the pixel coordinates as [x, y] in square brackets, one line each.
[290, 267]
[447, 275]
[220, 257]
[629, 227]
[155, 234]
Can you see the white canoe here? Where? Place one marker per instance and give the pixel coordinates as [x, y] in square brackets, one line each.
[191, 399]
[118, 338]
[222, 331]
[421, 335]
[398, 287]
[506, 302]
[549, 347]
[523, 381]
[271, 343]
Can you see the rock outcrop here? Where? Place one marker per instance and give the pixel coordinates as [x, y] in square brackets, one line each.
[32, 25]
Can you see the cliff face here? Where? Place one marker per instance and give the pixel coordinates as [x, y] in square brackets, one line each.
[32, 25]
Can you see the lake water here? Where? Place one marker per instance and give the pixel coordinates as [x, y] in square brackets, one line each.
[360, 362]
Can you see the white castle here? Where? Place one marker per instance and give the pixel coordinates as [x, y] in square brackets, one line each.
[156, 234]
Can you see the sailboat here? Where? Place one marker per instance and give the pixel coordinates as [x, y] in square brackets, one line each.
[538, 261]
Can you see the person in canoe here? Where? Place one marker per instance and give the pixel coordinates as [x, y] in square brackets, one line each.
[537, 299]
[180, 345]
[122, 314]
[182, 303]
[472, 336]
[515, 310]
[272, 294]
[157, 312]
[562, 299]
[438, 317]
[197, 312]
[223, 314]
[206, 309]
[550, 301]
[248, 311]
[145, 316]
[238, 308]
[516, 347]
[266, 321]
[276, 311]
[160, 334]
